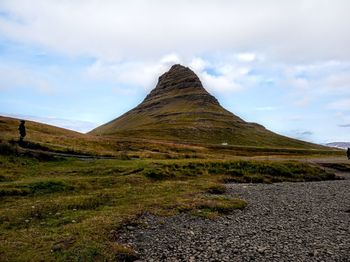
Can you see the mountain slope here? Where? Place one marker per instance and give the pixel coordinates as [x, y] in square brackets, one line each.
[180, 109]
[54, 138]
[35, 131]
[341, 145]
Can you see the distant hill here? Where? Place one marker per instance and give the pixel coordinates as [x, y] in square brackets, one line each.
[54, 138]
[35, 131]
[341, 145]
[180, 109]
[66, 141]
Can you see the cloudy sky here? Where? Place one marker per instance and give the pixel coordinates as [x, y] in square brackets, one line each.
[78, 64]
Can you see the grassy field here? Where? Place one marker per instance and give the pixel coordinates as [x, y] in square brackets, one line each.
[66, 209]
[59, 209]
[66, 141]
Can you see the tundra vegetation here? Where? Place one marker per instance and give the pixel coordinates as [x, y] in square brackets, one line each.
[60, 208]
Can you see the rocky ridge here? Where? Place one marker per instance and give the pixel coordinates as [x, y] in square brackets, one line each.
[180, 83]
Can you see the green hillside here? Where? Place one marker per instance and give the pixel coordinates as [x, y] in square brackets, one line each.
[55, 138]
[180, 109]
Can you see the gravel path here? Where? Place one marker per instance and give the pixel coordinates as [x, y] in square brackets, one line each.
[282, 222]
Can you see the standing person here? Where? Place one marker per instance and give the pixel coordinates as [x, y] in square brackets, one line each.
[22, 131]
[348, 153]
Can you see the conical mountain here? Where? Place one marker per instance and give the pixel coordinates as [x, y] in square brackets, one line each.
[180, 109]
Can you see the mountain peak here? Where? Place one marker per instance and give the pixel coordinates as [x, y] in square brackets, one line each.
[176, 67]
[180, 82]
[180, 109]
[179, 77]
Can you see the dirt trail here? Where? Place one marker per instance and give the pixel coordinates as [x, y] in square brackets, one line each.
[59, 154]
[340, 166]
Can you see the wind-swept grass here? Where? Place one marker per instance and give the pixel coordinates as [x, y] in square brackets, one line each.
[127, 146]
[65, 209]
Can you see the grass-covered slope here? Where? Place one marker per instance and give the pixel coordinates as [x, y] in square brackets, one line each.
[51, 137]
[36, 132]
[180, 109]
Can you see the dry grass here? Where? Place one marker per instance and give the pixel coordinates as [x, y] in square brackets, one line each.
[64, 209]
[71, 206]
[124, 147]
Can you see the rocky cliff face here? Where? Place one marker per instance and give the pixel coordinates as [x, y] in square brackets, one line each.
[180, 109]
[180, 82]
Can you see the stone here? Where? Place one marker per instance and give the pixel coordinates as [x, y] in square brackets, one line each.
[290, 235]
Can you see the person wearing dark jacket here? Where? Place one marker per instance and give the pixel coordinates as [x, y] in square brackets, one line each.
[22, 131]
[348, 153]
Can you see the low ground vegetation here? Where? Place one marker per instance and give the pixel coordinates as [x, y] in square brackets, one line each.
[342, 167]
[64, 209]
[240, 171]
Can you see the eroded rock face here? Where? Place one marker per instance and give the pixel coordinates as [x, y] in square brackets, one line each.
[178, 77]
[180, 83]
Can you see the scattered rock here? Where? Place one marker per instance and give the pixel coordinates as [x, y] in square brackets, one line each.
[126, 257]
[282, 222]
[62, 245]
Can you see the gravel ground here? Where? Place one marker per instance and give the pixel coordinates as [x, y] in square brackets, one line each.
[282, 222]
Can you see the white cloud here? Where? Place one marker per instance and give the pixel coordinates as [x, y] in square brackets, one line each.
[170, 59]
[137, 73]
[128, 74]
[287, 30]
[342, 117]
[342, 105]
[326, 75]
[145, 73]
[246, 57]
[71, 124]
[309, 83]
[222, 76]
[198, 64]
[134, 41]
[15, 76]
[338, 82]
[220, 83]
